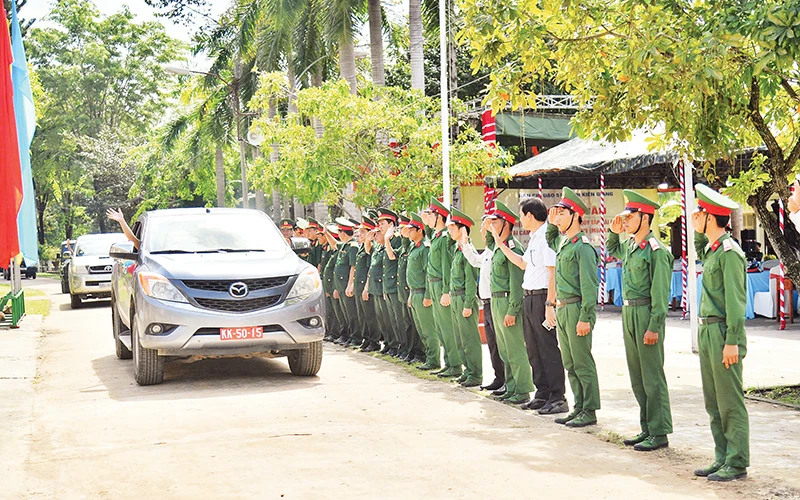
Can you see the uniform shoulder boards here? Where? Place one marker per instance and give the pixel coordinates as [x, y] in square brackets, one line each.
[654, 244]
[727, 245]
[585, 239]
[511, 244]
[426, 243]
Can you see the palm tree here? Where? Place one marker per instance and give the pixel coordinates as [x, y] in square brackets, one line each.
[342, 20]
[375, 14]
[416, 45]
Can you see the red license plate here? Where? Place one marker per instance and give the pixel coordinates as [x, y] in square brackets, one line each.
[242, 333]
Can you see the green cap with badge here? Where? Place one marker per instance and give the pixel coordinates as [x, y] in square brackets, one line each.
[287, 224]
[416, 221]
[501, 211]
[570, 200]
[460, 217]
[638, 203]
[302, 223]
[713, 202]
[438, 207]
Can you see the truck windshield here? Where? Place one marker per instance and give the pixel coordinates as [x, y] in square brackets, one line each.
[213, 232]
[97, 245]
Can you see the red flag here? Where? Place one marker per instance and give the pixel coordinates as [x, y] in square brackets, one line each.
[10, 172]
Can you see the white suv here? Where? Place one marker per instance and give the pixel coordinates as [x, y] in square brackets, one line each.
[89, 272]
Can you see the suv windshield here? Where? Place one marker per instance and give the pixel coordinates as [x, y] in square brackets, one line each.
[95, 245]
[213, 232]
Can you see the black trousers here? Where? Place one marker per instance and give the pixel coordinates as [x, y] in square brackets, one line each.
[543, 352]
[491, 341]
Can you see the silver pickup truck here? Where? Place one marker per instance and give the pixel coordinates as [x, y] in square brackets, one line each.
[214, 282]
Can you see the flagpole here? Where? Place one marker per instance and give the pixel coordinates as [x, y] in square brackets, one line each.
[446, 190]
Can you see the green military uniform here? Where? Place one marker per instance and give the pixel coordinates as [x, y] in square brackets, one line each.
[333, 329]
[438, 274]
[394, 312]
[463, 296]
[418, 284]
[315, 256]
[506, 286]
[646, 280]
[409, 336]
[365, 309]
[345, 265]
[576, 294]
[376, 292]
[722, 311]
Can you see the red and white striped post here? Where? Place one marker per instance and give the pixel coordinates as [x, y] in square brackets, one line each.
[602, 241]
[541, 193]
[781, 284]
[684, 262]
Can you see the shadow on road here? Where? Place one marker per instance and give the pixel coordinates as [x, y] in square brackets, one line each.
[200, 378]
[94, 304]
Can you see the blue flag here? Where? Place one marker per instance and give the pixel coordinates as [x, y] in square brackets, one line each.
[25, 114]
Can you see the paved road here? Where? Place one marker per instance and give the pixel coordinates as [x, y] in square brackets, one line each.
[246, 428]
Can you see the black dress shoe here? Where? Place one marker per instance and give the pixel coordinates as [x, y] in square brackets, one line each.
[500, 391]
[385, 349]
[535, 404]
[365, 344]
[493, 386]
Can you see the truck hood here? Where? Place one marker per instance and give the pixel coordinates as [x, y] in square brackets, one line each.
[93, 260]
[226, 265]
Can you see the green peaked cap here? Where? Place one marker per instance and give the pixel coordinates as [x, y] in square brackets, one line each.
[286, 223]
[416, 218]
[403, 220]
[312, 222]
[501, 211]
[438, 207]
[386, 214]
[638, 203]
[572, 201]
[714, 202]
[457, 215]
[367, 223]
[372, 213]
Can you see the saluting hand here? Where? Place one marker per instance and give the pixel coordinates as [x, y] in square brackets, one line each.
[463, 236]
[583, 328]
[616, 225]
[552, 215]
[650, 338]
[730, 355]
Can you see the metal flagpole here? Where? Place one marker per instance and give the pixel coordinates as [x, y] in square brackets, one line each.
[446, 191]
[684, 228]
[602, 241]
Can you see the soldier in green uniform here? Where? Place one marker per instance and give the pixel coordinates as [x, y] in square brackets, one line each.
[332, 327]
[576, 298]
[387, 221]
[420, 298]
[438, 274]
[374, 288]
[506, 285]
[646, 279]
[721, 335]
[464, 304]
[312, 233]
[364, 306]
[414, 351]
[287, 229]
[344, 282]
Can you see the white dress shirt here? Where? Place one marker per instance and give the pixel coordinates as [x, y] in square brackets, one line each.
[483, 261]
[538, 256]
[795, 218]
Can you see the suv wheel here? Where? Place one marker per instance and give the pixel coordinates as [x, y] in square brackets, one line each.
[148, 366]
[306, 362]
[117, 327]
[74, 301]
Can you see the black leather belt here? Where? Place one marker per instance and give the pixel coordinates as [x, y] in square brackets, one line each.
[711, 320]
[636, 302]
[486, 301]
[497, 295]
[434, 280]
[456, 293]
[529, 293]
[568, 300]
[418, 290]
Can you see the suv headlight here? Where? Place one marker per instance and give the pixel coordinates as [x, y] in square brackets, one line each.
[306, 284]
[158, 287]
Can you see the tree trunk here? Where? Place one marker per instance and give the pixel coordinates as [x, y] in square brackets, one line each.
[41, 206]
[376, 43]
[347, 62]
[292, 90]
[417, 43]
[220, 174]
[769, 222]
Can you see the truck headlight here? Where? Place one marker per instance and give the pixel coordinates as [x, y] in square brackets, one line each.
[306, 284]
[158, 287]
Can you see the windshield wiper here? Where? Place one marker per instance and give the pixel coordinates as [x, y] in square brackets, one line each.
[231, 250]
[170, 251]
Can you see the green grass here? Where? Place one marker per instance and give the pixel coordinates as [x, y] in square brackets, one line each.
[35, 306]
[48, 275]
[29, 292]
[787, 394]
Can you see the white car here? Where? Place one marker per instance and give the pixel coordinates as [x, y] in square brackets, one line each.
[89, 272]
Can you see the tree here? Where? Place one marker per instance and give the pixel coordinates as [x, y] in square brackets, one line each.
[24, 24]
[375, 14]
[717, 76]
[315, 168]
[344, 17]
[182, 11]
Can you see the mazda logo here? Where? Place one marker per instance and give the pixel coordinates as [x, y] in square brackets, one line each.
[238, 290]
[107, 269]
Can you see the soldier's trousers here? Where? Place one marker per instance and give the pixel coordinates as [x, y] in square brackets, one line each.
[366, 315]
[511, 344]
[332, 327]
[576, 353]
[444, 326]
[350, 316]
[423, 317]
[724, 397]
[381, 317]
[407, 338]
[341, 319]
[646, 368]
[395, 317]
[468, 338]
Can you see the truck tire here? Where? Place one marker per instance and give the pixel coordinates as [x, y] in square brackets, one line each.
[74, 301]
[64, 286]
[306, 362]
[117, 327]
[148, 366]
[31, 274]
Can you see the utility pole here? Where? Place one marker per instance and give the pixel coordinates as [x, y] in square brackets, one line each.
[446, 190]
[237, 112]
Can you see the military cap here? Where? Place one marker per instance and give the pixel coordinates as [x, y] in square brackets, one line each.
[638, 203]
[372, 213]
[438, 207]
[572, 201]
[416, 221]
[287, 224]
[501, 211]
[367, 223]
[302, 223]
[460, 217]
[403, 220]
[314, 224]
[386, 214]
[713, 202]
[344, 224]
[333, 229]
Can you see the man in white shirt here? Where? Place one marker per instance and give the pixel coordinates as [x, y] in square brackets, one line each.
[483, 261]
[538, 309]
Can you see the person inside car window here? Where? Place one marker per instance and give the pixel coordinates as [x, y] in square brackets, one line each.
[116, 214]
